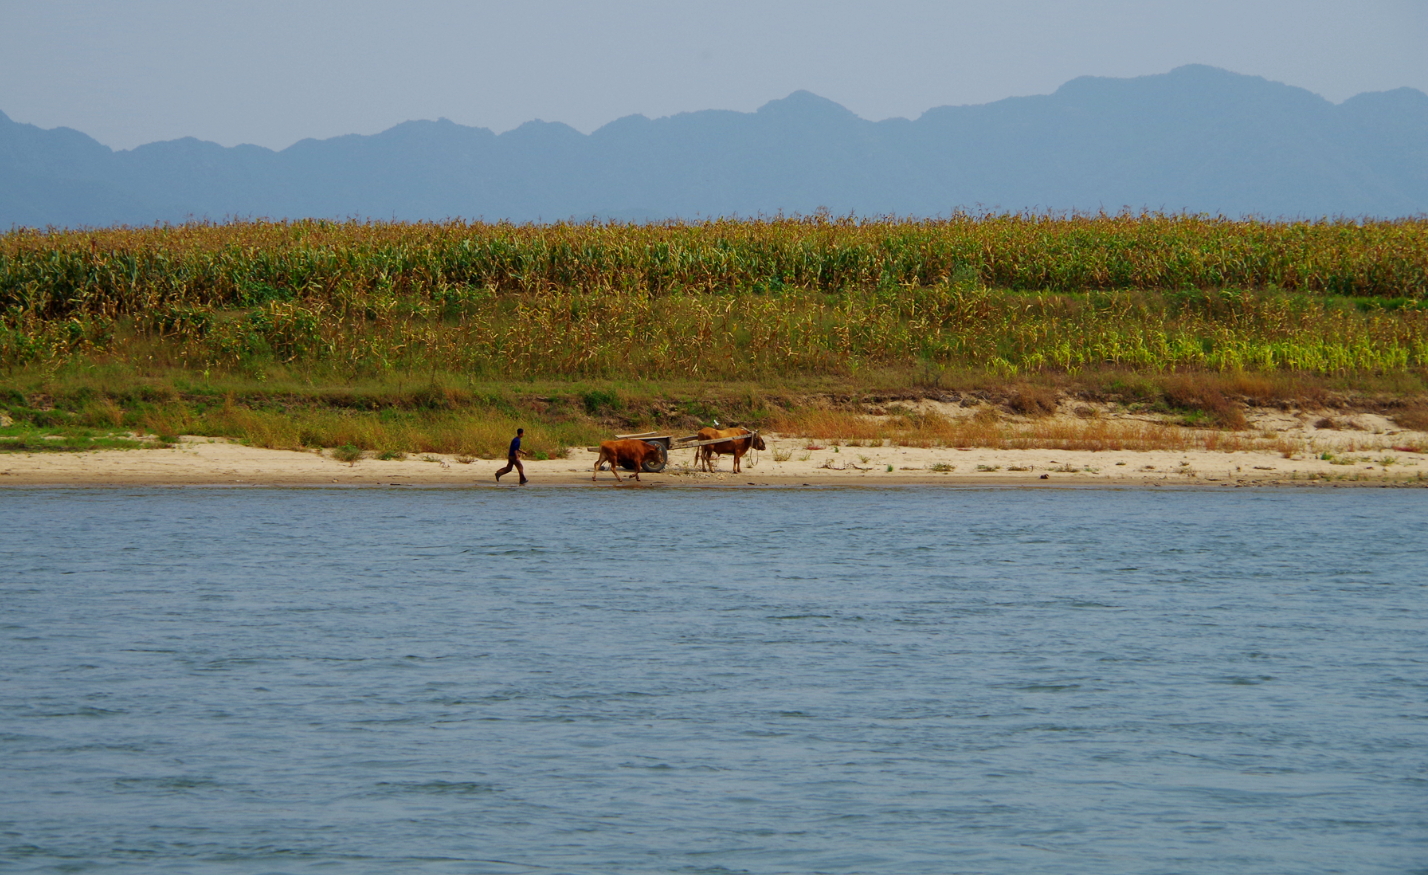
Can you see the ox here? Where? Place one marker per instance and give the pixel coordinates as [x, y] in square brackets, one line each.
[738, 448]
[627, 454]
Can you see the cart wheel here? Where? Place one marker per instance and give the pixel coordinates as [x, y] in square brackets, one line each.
[654, 467]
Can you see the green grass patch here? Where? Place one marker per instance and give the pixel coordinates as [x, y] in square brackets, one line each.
[25, 438]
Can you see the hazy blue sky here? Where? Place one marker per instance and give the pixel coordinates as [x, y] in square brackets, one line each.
[272, 73]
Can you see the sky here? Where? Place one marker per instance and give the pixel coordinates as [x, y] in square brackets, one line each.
[272, 73]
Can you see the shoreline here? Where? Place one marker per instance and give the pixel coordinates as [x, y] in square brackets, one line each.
[202, 461]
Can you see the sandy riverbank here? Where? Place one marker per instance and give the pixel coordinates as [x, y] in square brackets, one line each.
[1374, 454]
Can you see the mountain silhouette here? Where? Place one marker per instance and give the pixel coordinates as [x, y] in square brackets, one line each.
[1195, 139]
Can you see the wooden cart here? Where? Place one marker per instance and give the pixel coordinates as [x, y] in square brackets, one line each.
[667, 442]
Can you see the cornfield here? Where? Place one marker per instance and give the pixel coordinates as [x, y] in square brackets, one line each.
[724, 299]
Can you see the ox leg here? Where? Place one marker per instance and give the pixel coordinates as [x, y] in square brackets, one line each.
[600, 461]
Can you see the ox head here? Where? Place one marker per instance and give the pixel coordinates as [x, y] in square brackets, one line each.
[758, 442]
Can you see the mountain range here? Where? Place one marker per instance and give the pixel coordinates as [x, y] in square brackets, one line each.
[1196, 139]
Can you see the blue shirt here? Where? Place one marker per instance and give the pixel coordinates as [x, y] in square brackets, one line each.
[515, 445]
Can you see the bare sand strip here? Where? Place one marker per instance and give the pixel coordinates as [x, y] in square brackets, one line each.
[201, 461]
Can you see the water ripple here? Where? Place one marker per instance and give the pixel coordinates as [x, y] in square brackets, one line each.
[910, 681]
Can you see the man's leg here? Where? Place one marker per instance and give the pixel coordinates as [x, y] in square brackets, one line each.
[521, 468]
[511, 462]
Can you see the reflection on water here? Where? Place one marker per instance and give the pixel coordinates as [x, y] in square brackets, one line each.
[893, 681]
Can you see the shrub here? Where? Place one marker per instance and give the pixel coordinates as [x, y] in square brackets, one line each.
[1033, 401]
[1197, 392]
[1413, 419]
[598, 401]
[347, 453]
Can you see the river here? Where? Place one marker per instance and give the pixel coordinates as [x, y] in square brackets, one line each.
[920, 680]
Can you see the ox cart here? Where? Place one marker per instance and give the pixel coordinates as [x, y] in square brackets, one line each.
[668, 442]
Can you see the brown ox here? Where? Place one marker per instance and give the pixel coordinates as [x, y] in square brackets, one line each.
[705, 454]
[627, 454]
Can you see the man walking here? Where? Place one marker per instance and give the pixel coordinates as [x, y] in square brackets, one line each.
[513, 458]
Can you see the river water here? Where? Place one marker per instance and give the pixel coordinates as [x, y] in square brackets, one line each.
[764, 681]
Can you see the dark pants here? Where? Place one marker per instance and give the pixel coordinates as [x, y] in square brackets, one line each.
[512, 462]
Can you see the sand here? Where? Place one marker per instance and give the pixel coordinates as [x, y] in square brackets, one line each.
[1362, 455]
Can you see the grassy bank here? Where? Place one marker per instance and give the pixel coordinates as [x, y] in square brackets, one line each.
[451, 415]
[444, 337]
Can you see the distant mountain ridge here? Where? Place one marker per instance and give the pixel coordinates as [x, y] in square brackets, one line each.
[1195, 139]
